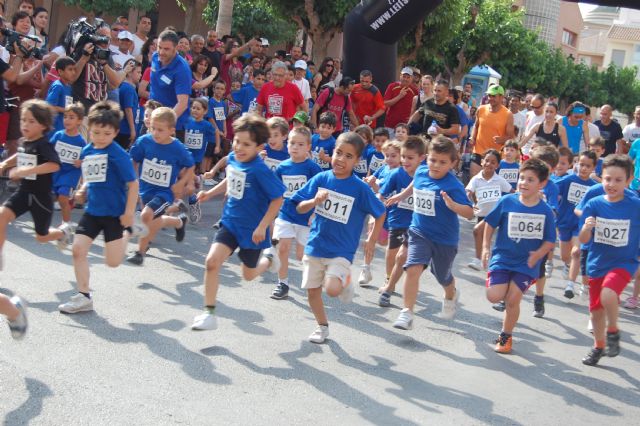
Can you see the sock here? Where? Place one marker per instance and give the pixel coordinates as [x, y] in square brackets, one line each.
[539, 297]
[192, 199]
[210, 309]
[87, 295]
[324, 325]
[611, 330]
[129, 229]
[502, 333]
[600, 344]
[367, 267]
[284, 280]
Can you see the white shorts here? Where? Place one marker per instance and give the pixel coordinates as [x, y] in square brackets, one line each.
[284, 229]
[316, 269]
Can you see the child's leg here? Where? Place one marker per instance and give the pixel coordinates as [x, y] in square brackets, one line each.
[218, 253]
[411, 283]
[390, 260]
[314, 295]
[396, 273]
[478, 237]
[512, 311]
[299, 251]
[284, 247]
[80, 252]
[249, 273]
[6, 216]
[574, 267]
[565, 251]
[115, 250]
[610, 301]
[596, 310]
[8, 309]
[65, 207]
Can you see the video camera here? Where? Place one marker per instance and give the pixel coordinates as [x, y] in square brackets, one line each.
[80, 33]
[16, 37]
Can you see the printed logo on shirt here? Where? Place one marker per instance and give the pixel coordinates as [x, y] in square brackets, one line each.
[156, 173]
[336, 207]
[293, 183]
[165, 79]
[236, 180]
[94, 168]
[527, 226]
[612, 232]
[275, 103]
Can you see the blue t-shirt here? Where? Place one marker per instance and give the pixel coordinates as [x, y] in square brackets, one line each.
[69, 149]
[167, 82]
[614, 240]
[275, 157]
[128, 99]
[375, 159]
[521, 229]
[251, 187]
[59, 95]
[246, 97]
[571, 190]
[337, 224]
[598, 170]
[555, 178]
[633, 153]
[399, 215]
[361, 169]
[218, 112]
[159, 166]
[196, 137]
[510, 172]
[294, 176]
[106, 172]
[328, 145]
[551, 193]
[431, 217]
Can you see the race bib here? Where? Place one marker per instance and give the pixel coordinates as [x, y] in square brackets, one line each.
[219, 113]
[613, 232]
[375, 164]
[510, 175]
[407, 203]
[27, 160]
[68, 100]
[526, 226]
[155, 173]
[361, 167]
[488, 194]
[319, 162]
[235, 182]
[275, 104]
[336, 207]
[67, 153]
[193, 140]
[293, 183]
[272, 163]
[424, 201]
[576, 193]
[94, 168]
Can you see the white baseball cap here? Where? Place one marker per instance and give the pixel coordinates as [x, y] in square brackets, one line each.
[407, 70]
[300, 64]
[265, 42]
[125, 35]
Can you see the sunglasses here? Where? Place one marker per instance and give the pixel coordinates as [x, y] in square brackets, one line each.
[330, 65]
[536, 107]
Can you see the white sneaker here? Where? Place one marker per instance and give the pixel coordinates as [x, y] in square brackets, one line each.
[56, 206]
[347, 294]
[475, 264]
[320, 334]
[565, 272]
[195, 213]
[18, 327]
[568, 290]
[139, 229]
[548, 268]
[77, 303]
[274, 260]
[405, 320]
[450, 307]
[365, 276]
[67, 231]
[205, 321]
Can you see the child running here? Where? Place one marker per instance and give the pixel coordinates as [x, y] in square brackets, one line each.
[509, 167]
[342, 202]
[526, 233]
[275, 151]
[612, 223]
[290, 226]
[323, 142]
[111, 190]
[254, 198]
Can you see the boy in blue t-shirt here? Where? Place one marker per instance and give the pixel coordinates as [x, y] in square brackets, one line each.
[341, 202]
[399, 216]
[165, 168]
[565, 164]
[323, 142]
[375, 157]
[110, 189]
[254, 198]
[59, 95]
[509, 167]
[247, 95]
[291, 226]
[572, 189]
[612, 224]
[129, 104]
[275, 151]
[597, 146]
[438, 199]
[526, 234]
[68, 144]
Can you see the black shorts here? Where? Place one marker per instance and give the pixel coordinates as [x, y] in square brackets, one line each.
[249, 257]
[397, 238]
[40, 206]
[209, 150]
[480, 219]
[91, 226]
[158, 205]
[476, 158]
[583, 262]
[123, 140]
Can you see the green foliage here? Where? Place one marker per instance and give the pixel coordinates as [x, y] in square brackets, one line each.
[255, 17]
[331, 13]
[112, 7]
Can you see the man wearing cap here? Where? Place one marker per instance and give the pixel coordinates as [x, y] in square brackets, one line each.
[398, 99]
[367, 101]
[300, 80]
[494, 126]
[610, 131]
[125, 40]
[264, 43]
[337, 101]
[280, 98]
[142, 34]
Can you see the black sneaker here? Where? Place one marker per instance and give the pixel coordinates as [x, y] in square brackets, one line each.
[593, 356]
[217, 225]
[538, 306]
[613, 344]
[136, 258]
[180, 232]
[280, 292]
[500, 306]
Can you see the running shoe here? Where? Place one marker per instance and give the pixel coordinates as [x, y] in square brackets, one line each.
[538, 306]
[568, 291]
[77, 303]
[347, 293]
[274, 260]
[180, 232]
[450, 307]
[195, 212]
[320, 334]
[548, 268]
[613, 344]
[136, 258]
[593, 356]
[500, 306]
[631, 303]
[405, 320]
[280, 292]
[503, 344]
[67, 235]
[18, 326]
[475, 264]
[385, 299]
[205, 321]
[365, 276]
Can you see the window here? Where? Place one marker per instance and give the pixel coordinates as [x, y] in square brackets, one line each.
[636, 56]
[586, 60]
[569, 38]
[617, 57]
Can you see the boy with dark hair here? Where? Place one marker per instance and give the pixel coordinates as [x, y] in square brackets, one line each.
[323, 142]
[597, 146]
[59, 94]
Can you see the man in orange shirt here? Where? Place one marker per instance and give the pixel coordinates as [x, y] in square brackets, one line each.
[494, 126]
[367, 100]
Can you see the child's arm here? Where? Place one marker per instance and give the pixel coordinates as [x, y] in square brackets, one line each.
[370, 244]
[187, 175]
[222, 163]
[595, 177]
[401, 196]
[535, 256]
[261, 231]
[8, 163]
[307, 205]
[128, 112]
[372, 182]
[126, 219]
[41, 169]
[585, 232]
[460, 209]
[472, 196]
[219, 189]
[486, 245]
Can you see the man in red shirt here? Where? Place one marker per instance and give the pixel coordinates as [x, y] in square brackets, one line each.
[398, 99]
[337, 101]
[367, 100]
[280, 98]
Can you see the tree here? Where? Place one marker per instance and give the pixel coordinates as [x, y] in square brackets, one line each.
[225, 12]
[112, 7]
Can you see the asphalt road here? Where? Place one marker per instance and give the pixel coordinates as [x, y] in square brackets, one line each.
[134, 360]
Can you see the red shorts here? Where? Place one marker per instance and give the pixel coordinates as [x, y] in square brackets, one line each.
[4, 126]
[615, 280]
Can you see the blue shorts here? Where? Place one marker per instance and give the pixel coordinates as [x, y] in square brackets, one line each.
[63, 190]
[500, 276]
[158, 204]
[249, 257]
[566, 234]
[423, 251]
[65, 181]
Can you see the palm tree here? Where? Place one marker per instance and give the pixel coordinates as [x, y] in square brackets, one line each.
[225, 13]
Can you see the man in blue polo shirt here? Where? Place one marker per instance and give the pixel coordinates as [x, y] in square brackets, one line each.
[171, 79]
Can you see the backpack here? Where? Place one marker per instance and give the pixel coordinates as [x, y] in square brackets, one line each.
[325, 107]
